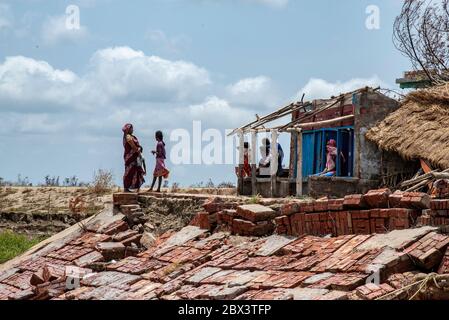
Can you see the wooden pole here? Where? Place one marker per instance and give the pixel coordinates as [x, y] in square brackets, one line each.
[324, 122]
[299, 191]
[241, 160]
[274, 162]
[253, 162]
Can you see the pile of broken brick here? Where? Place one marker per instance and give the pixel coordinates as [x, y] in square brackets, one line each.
[378, 211]
[105, 259]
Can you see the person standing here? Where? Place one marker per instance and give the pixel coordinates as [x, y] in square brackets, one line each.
[160, 170]
[133, 177]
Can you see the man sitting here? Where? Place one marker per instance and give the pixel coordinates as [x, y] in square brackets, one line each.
[266, 142]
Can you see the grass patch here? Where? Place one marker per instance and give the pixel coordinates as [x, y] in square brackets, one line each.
[13, 244]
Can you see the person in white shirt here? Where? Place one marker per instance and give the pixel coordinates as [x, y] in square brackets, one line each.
[265, 162]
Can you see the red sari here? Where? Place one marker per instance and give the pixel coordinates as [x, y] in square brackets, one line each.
[134, 174]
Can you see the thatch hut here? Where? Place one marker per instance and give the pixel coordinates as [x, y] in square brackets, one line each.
[419, 129]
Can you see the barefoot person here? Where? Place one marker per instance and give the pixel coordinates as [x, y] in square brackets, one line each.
[160, 170]
[134, 173]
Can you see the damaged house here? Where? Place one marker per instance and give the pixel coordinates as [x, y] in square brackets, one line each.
[418, 131]
[360, 166]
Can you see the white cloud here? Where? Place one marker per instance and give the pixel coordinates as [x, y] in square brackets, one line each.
[31, 82]
[257, 91]
[250, 85]
[271, 3]
[216, 113]
[319, 88]
[55, 30]
[6, 17]
[116, 76]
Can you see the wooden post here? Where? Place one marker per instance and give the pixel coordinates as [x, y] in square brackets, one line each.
[299, 191]
[252, 159]
[241, 160]
[274, 162]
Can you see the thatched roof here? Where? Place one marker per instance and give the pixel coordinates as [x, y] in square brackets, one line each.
[419, 129]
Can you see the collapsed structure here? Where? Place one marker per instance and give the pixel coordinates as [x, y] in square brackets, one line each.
[345, 119]
[238, 250]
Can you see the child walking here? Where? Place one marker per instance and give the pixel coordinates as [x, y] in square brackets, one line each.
[160, 170]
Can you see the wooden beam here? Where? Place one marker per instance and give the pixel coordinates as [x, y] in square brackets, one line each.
[324, 122]
[253, 159]
[274, 162]
[241, 159]
[299, 191]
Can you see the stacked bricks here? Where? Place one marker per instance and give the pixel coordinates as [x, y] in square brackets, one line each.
[253, 220]
[438, 215]
[379, 211]
[373, 291]
[428, 251]
[216, 212]
[444, 266]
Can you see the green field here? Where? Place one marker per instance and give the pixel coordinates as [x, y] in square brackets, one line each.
[13, 244]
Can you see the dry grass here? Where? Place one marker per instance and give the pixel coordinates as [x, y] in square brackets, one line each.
[45, 200]
[102, 183]
[419, 129]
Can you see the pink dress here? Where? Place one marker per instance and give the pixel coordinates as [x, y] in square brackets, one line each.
[160, 169]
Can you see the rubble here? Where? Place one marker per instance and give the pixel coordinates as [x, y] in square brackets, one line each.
[110, 260]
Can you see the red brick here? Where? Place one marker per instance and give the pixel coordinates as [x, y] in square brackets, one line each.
[307, 207]
[439, 204]
[395, 199]
[216, 205]
[290, 208]
[336, 204]
[255, 213]
[298, 224]
[69, 253]
[372, 291]
[343, 223]
[121, 199]
[90, 239]
[19, 280]
[115, 227]
[415, 200]
[377, 198]
[444, 266]
[321, 205]
[111, 250]
[355, 201]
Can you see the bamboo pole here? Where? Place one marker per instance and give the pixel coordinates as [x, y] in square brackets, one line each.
[253, 162]
[299, 191]
[241, 159]
[274, 162]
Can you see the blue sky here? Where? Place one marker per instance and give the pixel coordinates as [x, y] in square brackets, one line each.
[65, 94]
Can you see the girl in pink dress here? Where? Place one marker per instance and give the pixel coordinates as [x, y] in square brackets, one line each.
[160, 170]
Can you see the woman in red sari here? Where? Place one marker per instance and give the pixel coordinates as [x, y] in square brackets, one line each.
[134, 173]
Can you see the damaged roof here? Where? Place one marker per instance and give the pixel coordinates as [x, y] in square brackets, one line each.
[418, 129]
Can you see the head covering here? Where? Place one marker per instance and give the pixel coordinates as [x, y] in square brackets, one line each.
[127, 128]
[332, 143]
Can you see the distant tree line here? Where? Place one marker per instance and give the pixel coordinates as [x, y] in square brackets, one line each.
[49, 181]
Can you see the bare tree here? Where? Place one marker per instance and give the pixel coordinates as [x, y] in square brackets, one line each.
[421, 32]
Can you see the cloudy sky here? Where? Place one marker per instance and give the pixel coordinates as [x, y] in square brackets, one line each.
[161, 64]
